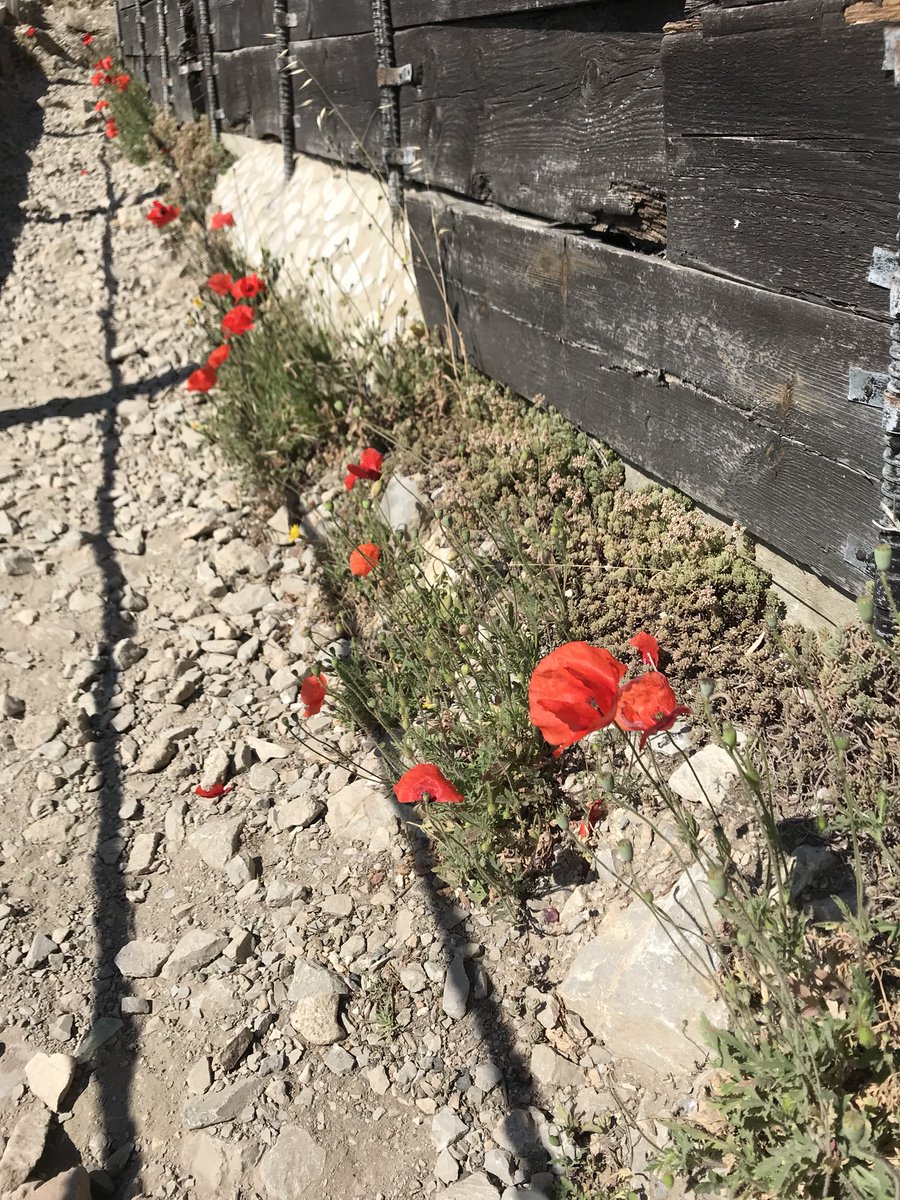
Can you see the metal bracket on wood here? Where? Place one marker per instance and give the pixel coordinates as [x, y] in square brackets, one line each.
[286, 20]
[885, 264]
[867, 387]
[394, 76]
[859, 556]
[891, 53]
[190, 68]
[401, 156]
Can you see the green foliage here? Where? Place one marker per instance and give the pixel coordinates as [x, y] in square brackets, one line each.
[133, 112]
[192, 158]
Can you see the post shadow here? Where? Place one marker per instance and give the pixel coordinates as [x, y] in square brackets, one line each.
[22, 84]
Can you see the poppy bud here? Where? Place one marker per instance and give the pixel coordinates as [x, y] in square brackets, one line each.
[647, 897]
[606, 782]
[667, 1179]
[865, 1035]
[772, 620]
[625, 850]
[562, 821]
[751, 775]
[821, 824]
[367, 503]
[338, 406]
[882, 556]
[866, 607]
[743, 938]
[717, 882]
[853, 1126]
[841, 742]
[464, 669]
[729, 737]
[707, 687]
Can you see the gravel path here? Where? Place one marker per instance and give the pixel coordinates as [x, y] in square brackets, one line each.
[256, 994]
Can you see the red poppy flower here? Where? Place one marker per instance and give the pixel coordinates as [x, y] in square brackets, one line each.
[121, 82]
[368, 467]
[202, 380]
[426, 782]
[220, 284]
[161, 214]
[364, 558]
[312, 694]
[593, 815]
[104, 64]
[87, 39]
[648, 704]
[238, 320]
[112, 129]
[96, 79]
[210, 793]
[648, 648]
[221, 220]
[573, 691]
[217, 357]
[247, 287]
[100, 105]
[30, 31]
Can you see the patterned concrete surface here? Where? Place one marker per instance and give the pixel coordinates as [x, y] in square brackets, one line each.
[329, 226]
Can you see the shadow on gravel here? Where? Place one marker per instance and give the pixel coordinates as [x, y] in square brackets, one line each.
[494, 1030]
[22, 84]
[100, 402]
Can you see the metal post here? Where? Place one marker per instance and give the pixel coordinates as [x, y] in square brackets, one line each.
[885, 624]
[142, 43]
[285, 91]
[209, 68]
[162, 27]
[389, 106]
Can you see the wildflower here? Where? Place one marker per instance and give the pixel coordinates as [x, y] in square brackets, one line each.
[248, 287]
[573, 691]
[312, 694]
[100, 105]
[202, 380]
[364, 558]
[293, 533]
[590, 819]
[30, 31]
[121, 82]
[238, 320]
[217, 357]
[210, 793]
[648, 648]
[197, 302]
[87, 39]
[221, 220]
[97, 79]
[161, 214]
[220, 284]
[648, 704]
[368, 467]
[426, 782]
[104, 64]
[112, 129]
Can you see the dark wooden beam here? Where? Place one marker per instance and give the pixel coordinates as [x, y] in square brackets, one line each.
[784, 144]
[736, 395]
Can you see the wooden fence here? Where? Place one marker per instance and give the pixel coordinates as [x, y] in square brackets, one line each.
[660, 215]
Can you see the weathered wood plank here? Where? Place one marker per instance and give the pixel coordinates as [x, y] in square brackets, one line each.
[248, 91]
[735, 395]
[239, 25]
[558, 114]
[342, 72]
[336, 18]
[784, 142]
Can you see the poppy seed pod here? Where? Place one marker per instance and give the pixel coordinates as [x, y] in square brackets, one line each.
[841, 742]
[718, 884]
[882, 556]
[625, 850]
[866, 608]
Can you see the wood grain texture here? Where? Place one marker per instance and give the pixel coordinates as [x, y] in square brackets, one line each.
[735, 395]
[342, 71]
[556, 114]
[248, 91]
[239, 25]
[336, 18]
[784, 149]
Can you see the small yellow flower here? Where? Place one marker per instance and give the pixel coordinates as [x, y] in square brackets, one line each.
[293, 533]
[196, 425]
[197, 302]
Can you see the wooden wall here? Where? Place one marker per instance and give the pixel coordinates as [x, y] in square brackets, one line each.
[660, 214]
